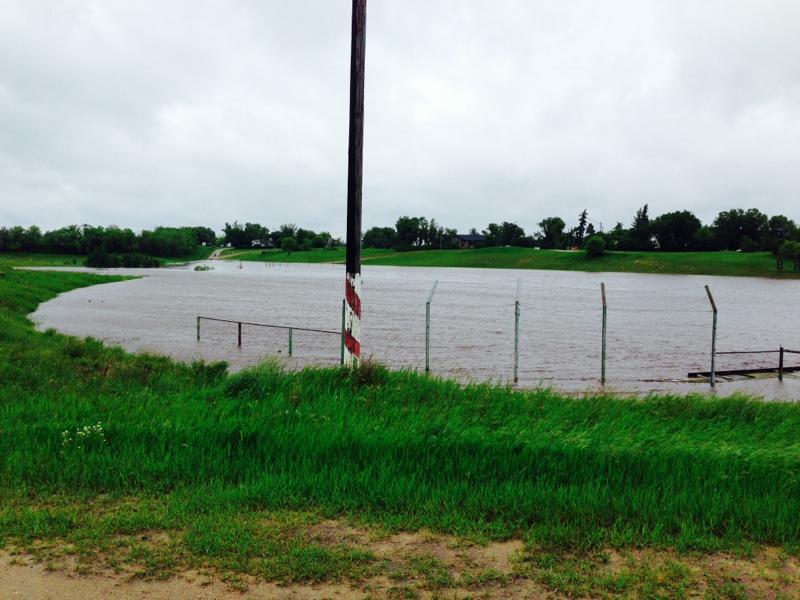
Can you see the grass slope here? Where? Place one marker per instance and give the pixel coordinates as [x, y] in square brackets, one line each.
[36, 259]
[756, 264]
[96, 443]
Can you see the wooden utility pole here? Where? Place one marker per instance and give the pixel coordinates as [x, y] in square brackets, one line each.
[355, 167]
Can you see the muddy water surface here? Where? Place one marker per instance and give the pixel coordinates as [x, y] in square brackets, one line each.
[659, 327]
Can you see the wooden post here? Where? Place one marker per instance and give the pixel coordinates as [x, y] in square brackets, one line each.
[352, 334]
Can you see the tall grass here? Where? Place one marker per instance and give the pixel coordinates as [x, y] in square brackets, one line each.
[399, 448]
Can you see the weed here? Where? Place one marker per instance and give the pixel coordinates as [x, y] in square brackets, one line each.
[369, 373]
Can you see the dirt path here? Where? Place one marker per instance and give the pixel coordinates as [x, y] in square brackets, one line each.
[422, 566]
[22, 577]
[36, 582]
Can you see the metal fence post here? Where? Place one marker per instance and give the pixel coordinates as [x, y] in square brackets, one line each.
[198, 329]
[713, 337]
[603, 352]
[344, 306]
[516, 333]
[780, 365]
[240, 334]
[290, 341]
[428, 327]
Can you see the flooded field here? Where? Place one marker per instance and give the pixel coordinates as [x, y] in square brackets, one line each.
[659, 327]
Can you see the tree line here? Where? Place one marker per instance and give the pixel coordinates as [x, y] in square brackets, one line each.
[288, 237]
[680, 231]
[113, 246]
[110, 246]
[747, 230]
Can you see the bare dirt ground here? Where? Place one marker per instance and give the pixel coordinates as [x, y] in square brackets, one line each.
[425, 566]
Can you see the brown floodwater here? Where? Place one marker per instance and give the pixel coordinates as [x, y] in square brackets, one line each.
[659, 327]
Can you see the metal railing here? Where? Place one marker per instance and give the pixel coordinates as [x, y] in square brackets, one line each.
[291, 330]
[781, 368]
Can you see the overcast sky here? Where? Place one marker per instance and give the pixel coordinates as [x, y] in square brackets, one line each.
[143, 113]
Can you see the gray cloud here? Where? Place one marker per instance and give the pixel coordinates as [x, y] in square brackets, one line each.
[143, 114]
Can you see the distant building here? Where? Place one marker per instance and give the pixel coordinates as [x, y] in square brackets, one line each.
[468, 240]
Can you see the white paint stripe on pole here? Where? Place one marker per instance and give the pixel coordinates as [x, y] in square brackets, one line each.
[352, 319]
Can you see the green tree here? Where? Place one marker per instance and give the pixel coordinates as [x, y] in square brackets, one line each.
[731, 226]
[705, 240]
[580, 232]
[288, 245]
[235, 235]
[205, 235]
[380, 237]
[615, 239]
[10, 238]
[790, 250]
[120, 240]
[552, 231]
[93, 238]
[287, 230]
[641, 231]
[167, 242]
[254, 232]
[408, 231]
[779, 229]
[676, 231]
[432, 234]
[504, 234]
[510, 233]
[492, 234]
[748, 245]
[66, 240]
[243, 236]
[305, 236]
[326, 240]
[595, 246]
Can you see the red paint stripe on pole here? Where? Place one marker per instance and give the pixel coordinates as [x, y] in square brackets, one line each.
[352, 344]
[353, 299]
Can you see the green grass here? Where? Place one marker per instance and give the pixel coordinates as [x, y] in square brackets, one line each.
[200, 253]
[738, 264]
[33, 259]
[96, 443]
[335, 255]
[734, 264]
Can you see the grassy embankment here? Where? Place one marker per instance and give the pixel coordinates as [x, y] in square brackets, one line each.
[36, 259]
[734, 264]
[737, 264]
[99, 449]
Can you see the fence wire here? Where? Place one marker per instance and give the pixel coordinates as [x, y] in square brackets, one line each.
[654, 332]
[652, 335]
[658, 328]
